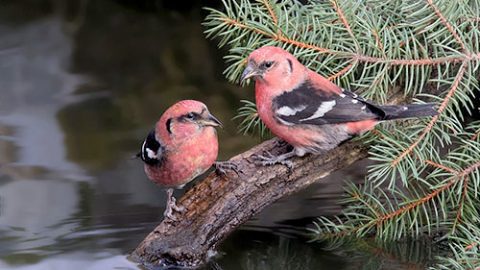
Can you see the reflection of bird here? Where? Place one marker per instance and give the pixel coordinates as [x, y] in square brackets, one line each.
[307, 110]
[183, 145]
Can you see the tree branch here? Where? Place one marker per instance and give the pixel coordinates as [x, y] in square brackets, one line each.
[448, 26]
[219, 204]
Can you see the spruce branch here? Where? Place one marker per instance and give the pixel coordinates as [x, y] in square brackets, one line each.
[426, 172]
[342, 17]
[379, 221]
[448, 26]
[250, 123]
[432, 122]
[341, 72]
[440, 166]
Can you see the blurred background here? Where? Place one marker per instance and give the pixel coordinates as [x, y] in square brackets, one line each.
[81, 84]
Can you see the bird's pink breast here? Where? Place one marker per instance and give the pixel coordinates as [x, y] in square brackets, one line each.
[185, 162]
[297, 137]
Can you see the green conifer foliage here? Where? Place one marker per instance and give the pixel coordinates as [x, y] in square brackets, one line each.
[426, 177]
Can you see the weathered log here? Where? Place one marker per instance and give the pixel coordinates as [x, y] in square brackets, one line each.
[220, 203]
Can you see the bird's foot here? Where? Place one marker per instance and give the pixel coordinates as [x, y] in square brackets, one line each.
[268, 159]
[178, 208]
[172, 206]
[221, 167]
[168, 213]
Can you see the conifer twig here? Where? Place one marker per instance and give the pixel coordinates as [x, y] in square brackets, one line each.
[434, 119]
[341, 72]
[440, 166]
[381, 219]
[448, 26]
[418, 46]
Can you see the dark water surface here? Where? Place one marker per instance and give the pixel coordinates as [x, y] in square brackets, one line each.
[81, 83]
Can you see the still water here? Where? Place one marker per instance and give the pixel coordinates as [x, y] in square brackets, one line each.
[81, 83]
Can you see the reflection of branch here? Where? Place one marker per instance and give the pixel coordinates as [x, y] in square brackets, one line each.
[382, 252]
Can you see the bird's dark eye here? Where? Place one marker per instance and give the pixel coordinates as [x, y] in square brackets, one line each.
[191, 116]
[266, 65]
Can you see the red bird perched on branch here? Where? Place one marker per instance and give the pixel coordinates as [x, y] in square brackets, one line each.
[182, 146]
[307, 110]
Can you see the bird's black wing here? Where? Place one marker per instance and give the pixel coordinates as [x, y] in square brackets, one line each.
[311, 106]
[152, 151]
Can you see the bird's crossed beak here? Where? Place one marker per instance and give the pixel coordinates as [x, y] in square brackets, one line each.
[211, 120]
[250, 71]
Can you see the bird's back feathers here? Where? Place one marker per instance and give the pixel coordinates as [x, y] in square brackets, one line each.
[309, 105]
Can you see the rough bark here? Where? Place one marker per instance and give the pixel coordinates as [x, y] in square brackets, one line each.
[220, 203]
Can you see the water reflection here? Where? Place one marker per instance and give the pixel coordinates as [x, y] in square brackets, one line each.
[266, 251]
[81, 82]
[273, 252]
[79, 89]
[38, 186]
[34, 86]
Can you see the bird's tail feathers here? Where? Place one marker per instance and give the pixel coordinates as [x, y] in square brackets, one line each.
[408, 111]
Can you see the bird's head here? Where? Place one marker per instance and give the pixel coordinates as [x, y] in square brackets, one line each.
[273, 66]
[185, 119]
